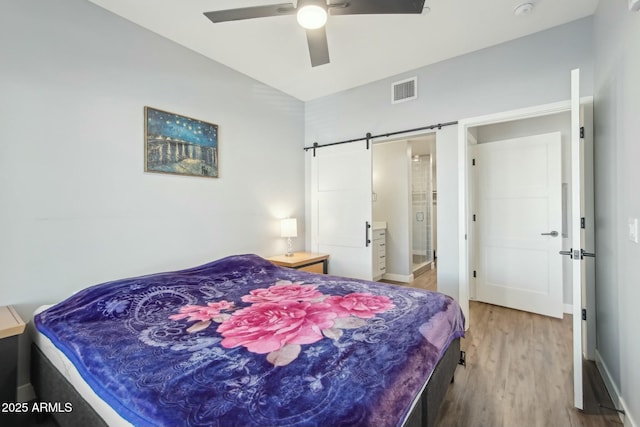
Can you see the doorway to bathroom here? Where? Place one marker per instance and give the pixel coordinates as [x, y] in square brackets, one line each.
[424, 198]
[404, 191]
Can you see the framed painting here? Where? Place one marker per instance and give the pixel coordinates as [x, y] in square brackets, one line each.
[179, 145]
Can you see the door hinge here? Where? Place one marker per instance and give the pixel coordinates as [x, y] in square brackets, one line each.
[582, 132]
[474, 217]
[582, 223]
[473, 162]
[474, 273]
[584, 314]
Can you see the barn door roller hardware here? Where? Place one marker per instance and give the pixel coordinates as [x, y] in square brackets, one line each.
[370, 137]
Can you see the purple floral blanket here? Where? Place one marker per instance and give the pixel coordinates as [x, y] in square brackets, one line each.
[242, 342]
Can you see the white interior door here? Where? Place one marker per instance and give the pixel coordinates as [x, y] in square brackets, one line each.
[518, 223]
[588, 231]
[341, 208]
[577, 237]
[582, 226]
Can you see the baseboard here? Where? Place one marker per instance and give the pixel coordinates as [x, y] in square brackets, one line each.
[616, 398]
[608, 380]
[568, 308]
[398, 277]
[627, 418]
[25, 393]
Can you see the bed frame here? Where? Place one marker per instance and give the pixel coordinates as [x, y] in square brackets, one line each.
[51, 386]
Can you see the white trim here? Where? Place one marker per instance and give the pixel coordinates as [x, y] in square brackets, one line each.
[627, 419]
[608, 380]
[25, 393]
[463, 252]
[403, 278]
[568, 308]
[616, 398]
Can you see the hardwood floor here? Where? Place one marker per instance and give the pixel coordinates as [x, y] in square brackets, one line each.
[519, 373]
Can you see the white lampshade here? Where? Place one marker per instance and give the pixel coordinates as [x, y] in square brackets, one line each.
[312, 16]
[289, 227]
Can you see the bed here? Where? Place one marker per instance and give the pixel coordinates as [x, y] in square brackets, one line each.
[242, 342]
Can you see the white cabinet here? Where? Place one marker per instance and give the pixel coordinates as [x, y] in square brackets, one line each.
[378, 246]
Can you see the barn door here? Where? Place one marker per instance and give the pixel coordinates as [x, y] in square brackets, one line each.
[341, 212]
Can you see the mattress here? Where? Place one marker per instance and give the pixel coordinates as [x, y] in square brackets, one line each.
[102, 409]
[62, 363]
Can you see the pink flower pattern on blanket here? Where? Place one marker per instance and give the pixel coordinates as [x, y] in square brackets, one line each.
[283, 317]
[363, 305]
[266, 327]
[202, 313]
[283, 291]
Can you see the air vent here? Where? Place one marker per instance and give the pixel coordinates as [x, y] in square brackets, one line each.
[404, 90]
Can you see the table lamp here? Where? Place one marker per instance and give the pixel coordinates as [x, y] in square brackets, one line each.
[289, 229]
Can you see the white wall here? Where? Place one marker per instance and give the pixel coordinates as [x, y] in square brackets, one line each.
[533, 70]
[617, 150]
[391, 177]
[77, 208]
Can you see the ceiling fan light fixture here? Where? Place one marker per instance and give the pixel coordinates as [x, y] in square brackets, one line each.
[312, 16]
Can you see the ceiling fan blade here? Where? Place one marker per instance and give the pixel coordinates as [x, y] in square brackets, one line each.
[318, 46]
[376, 7]
[250, 12]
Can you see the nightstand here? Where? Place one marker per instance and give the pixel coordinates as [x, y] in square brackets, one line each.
[305, 261]
[11, 326]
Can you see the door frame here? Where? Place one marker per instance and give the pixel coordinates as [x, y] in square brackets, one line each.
[465, 237]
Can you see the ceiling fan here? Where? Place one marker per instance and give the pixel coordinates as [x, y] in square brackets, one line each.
[312, 15]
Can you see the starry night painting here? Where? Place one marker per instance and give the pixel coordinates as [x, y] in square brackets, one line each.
[180, 145]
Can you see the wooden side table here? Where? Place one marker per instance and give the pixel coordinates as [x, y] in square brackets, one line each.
[11, 326]
[305, 261]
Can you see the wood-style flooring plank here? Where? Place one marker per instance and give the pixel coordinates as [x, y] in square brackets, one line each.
[519, 373]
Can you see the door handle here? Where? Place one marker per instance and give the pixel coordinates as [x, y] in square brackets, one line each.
[569, 252]
[584, 254]
[577, 254]
[367, 241]
[551, 233]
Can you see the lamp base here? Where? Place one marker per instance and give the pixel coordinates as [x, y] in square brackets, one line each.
[289, 247]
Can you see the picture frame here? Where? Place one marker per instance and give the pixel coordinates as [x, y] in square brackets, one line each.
[180, 145]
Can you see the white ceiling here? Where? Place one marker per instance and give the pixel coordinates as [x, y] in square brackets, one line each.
[362, 48]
